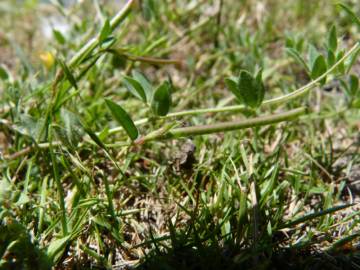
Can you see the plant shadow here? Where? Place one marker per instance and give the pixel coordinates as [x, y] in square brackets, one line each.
[232, 257]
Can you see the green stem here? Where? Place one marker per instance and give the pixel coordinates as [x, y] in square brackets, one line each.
[109, 198]
[87, 49]
[235, 108]
[59, 188]
[164, 133]
[83, 53]
[229, 126]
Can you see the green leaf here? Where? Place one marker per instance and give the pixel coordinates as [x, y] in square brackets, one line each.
[135, 88]
[5, 190]
[72, 126]
[297, 57]
[29, 126]
[252, 90]
[332, 39]
[319, 68]
[315, 215]
[123, 119]
[289, 42]
[352, 60]
[59, 37]
[146, 85]
[356, 103]
[68, 73]
[4, 73]
[105, 31]
[148, 9]
[232, 84]
[258, 78]
[330, 58]
[341, 66]
[161, 100]
[269, 185]
[57, 248]
[353, 85]
[351, 14]
[312, 55]
[95, 138]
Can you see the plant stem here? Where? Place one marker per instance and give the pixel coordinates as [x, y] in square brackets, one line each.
[165, 133]
[59, 188]
[93, 43]
[235, 108]
[233, 125]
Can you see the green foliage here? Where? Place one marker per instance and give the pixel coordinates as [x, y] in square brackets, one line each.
[247, 88]
[318, 68]
[232, 85]
[68, 73]
[332, 39]
[350, 13]
[146, 85]
[123, 119]
[76, 192]
[135, 88]
[105, 31]
[161, 100]
[297, 57]
[59, 37]
[17, 250]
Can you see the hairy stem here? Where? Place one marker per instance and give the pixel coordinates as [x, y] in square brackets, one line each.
[224, 126]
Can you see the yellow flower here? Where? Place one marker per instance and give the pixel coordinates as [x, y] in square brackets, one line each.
[48, 59]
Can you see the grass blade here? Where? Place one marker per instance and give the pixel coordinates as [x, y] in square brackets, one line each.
[315, 215]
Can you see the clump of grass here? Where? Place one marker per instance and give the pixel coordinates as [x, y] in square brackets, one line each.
[87, 185]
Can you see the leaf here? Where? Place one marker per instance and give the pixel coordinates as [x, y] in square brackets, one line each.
[330, 58]
[68, 73]
[29, 126]
[148, 9]
[297, 57]
[315, 215]
[312, 55]
[161, 100]
[351, 14]
[56, 248]
[135, 88]
[105, 31]
[356, 103]
[95, 138]
[123, 119]
[345, 86]
[352, 60]
[319, 68]
[289, 42]
[258, 78]
[232, 84]
[5, 190]
[4, 73]
[23, 199]
[270, 184]
[72, 125]
[341, 66]
[332, 39]
[59, 37]
[353, 85]
[146, 85]
[252, 90]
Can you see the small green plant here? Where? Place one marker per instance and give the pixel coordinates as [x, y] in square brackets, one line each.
[102, 157]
